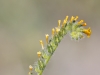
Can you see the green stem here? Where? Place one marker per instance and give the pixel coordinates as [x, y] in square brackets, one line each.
[46, 64]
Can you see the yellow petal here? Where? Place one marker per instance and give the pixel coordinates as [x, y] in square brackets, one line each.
[80, 22]
[41, 42]
[53, 32]
[72, 18]
[57, 29]
[47, 37]
[66, 18]
[64, 22]
[59, 22]
[30, 67]
[84, 24]
[76, 18]
[87, 31]
[39, 54]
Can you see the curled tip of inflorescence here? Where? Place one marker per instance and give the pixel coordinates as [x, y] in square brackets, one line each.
[76, 30]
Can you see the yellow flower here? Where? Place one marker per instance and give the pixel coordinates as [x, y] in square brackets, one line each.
[57, 29]
[84, 24]
[64, 22]
[30, 68]
[39, 54]
[53, 32]
[47, 36]
[59, 22]
[76, 18]
[66, 18]
[41, 42]
[87, 31]
[72, 18]
[80, 22]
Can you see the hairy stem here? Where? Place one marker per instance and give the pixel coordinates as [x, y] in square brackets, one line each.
[74, 28]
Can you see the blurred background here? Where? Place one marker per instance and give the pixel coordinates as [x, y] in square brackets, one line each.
[24, 22]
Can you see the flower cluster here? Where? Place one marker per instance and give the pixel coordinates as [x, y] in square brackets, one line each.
[72, 26]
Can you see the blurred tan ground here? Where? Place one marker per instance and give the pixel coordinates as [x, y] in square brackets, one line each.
[24, 22]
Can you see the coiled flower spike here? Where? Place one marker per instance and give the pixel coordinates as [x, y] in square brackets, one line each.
[73, 27]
